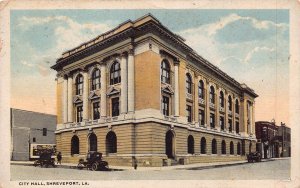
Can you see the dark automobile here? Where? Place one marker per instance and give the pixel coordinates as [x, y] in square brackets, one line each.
[93, 162]
[45, 160]
[254, 156]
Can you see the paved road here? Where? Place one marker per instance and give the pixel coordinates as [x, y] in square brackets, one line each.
[278, 169]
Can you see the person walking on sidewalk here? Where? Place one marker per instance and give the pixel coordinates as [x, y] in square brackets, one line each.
[59, 157]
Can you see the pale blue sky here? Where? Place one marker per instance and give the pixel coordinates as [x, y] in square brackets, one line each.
[252, 46]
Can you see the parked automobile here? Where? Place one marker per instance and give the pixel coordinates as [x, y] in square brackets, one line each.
[254, 156]
[93, 162]
[45, 160]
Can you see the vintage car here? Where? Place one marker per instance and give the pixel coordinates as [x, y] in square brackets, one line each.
[93, 162]
[45, 160]
[254, 156]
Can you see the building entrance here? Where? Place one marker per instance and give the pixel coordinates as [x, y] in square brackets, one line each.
[170, 144]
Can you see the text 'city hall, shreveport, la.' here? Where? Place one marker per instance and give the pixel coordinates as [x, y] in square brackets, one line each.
[138, 93]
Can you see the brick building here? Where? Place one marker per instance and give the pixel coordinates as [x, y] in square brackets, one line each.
[28, 128]
[284, 138]
[267, 139]
[140, 91]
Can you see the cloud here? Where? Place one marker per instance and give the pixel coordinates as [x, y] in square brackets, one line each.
[27, 64]
[258, 24]
[255, 50]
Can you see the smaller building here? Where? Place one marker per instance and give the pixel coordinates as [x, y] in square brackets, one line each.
[267, 139]
[284, 138]
[30, 128]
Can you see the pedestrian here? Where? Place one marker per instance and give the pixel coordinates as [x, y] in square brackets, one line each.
[59, 157]
[135, 162]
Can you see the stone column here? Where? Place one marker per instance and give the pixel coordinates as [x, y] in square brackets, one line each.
[85, 95]
[131, 102]
[103, 90]
[124, 84]
[196, 98]
[207, 108]
[253, 118]
[226, 124]
[176, 87]
[217, 109]
[65, 100]
[250, 118]
[70, 98]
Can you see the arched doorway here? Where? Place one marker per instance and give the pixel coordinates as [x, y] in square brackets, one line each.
[190, 144]
[170, 144]
[74, 145]
[111, 142]
[92, 142]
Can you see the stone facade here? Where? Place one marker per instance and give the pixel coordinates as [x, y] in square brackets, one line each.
[133, 92]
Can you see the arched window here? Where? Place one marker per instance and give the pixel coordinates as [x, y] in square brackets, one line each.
[93, 142]
[237, 106]
[231, 148]
[188, 83]
[111, 142]
[238, 148]
[222, 99]
[95, 79]
[115, 73]
[74, 145]
[223, 147]
[79, 84]
[201, 89]
[212, 95]
[229, 103]
[165, 71]
[214, 146]
[191, 144]
[203, 145]
[250, 147]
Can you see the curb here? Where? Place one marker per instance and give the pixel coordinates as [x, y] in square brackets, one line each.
[172, 168]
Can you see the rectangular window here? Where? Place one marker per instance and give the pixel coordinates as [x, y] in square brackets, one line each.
[79, 114]
[96, 110]
[165, 106]
[222, 123]
[115, 107]
[237, 127]
[230, 125]
[189, 113]
[33, 139]
[212, 120]
[44, 131]
[201, 117]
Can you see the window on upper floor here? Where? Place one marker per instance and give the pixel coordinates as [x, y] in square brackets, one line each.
[165, 71]
[237, 107]
[188, 83]
[201, 116]
[230, 125]
[212, 120]
[221, 99]
[44, 131]
[189, 113]
[96, 110]
[212, 95]
[115, 106]
[115, 73]
[222, 123]
[79, 84]
[165, 106]
[201, 89]
[79, 114]
[95, 79]
[229, 103]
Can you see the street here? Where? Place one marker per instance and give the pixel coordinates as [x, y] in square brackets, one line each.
[270, 170]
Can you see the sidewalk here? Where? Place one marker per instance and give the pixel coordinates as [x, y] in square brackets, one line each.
[199, 166]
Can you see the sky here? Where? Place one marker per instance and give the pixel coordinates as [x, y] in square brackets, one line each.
[252, 46]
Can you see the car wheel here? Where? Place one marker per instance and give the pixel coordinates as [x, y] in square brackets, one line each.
[94, 167]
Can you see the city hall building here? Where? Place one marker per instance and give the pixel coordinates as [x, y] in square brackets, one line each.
[139, 93]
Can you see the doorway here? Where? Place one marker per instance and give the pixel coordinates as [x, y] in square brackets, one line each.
[170, 145]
